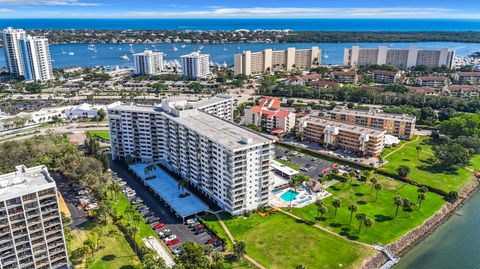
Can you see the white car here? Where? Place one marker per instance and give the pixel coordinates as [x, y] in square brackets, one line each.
[82, 192]
[91, 206]
[190, 221]
[130, 193]
[170, 238]
[162, 232]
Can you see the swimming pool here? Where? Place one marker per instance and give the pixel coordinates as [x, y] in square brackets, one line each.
[289, 196]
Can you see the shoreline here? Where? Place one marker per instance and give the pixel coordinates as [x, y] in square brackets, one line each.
[415, 236]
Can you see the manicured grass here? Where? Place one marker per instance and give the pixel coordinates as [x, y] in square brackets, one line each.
[423, 168]
[289, 164]
[103, 134]
[280, 241]
[213, 224]
[386, 228]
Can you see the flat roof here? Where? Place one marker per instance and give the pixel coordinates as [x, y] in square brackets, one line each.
[211, 101]
[24, 181]
[346, 126]
[283, 168]
[167, 188]
[374, 113]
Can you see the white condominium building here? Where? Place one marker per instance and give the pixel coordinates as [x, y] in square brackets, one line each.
[31, 230]
[269, 60]
[27, 56]
[220, 106]
[148, 62]
[228, 163]
[401, 58]
[195, 65]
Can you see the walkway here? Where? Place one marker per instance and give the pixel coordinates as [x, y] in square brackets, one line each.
[401, 146]
[230, 236]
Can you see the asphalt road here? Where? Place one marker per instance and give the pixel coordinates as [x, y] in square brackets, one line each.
[158, 207]
[78, 215]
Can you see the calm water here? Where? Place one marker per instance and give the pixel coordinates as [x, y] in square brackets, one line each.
[455, 244]
[109, 55]
[251, 24]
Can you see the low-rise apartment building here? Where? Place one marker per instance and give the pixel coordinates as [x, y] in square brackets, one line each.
[334, 134]
[345, 76]
[385, 77]
[467, 77]
[31, 230]
[401, 126]
[422, 90]
[268, 116]
[250, 63]
[466, 91]
[228, 163]
[432, 81]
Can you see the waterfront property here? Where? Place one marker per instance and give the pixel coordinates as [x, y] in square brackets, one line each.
[402, 58]
[148, 62]
[31, 230]
[267, 61]
[195, 65]
[385, 77]
[401, 126]
[270, 117]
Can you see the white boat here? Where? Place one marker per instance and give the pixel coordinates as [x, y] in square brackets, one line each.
[125, 57]
[71, 53]
[111, 48]
[92, 47]
[201, 48]
[174, 48]
[183, 46]
[63, 52]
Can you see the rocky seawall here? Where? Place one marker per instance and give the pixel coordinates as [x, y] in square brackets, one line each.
[410, 239]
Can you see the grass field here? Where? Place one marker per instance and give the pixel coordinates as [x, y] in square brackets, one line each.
[215, 226]
[103, 134]
[279, 241]
[424, 170]
[386, 228]
[289, 164]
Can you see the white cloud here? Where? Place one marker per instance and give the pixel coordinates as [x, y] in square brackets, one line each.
[50, 2]
[5, 10]
[286, 12]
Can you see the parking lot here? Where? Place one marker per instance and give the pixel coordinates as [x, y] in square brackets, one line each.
[71, 199]
[310, 166]
[160, 210]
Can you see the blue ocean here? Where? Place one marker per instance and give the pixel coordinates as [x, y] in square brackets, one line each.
[251, 24]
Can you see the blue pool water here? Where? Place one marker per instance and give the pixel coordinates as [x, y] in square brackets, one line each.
[289, 196]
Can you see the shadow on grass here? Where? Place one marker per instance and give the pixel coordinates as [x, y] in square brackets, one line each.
[359, 194]
[335, 225]
[127, 267]
[382, 218]
[304, 222]
[360, 202]
[109, 257]
[437, 169]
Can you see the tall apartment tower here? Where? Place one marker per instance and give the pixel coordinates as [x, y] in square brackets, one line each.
[148, 63]
[31, 231]
[13, 55]
[227, 163]
[401, 58]
[195, 65]
[269, 60]
[27, 56]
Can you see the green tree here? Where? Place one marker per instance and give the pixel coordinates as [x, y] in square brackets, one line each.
[368, 224]
[300, 266]
[352, 208]
[373, 181]
[452, 196]
[403, 170]
[318, 204]
[419, 149]
[101, 114]
[378, 188]
[360, 217]
[337, 203]
[159, 86]
[193, 256]
[398, 201]
[239, 249]
[323, 210]
[351, 175]
[452, 155]
[195, 87]
[295, 183]
[421, 197]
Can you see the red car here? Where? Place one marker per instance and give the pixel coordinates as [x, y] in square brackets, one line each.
[199, 227]
[173, 242]
[159, 226]
[212, 240]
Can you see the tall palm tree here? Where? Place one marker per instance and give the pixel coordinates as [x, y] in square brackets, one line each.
[419, 149]
[149, 169]
[130, 211]
[378, 187]
[300, 266]
[368, 224]
[337, 203]
[294, 183]
[240, 249]
[132, 231]
[182, 184]
[351, 174]
[398, 202]
[423, 189]
[360, 217]
[323, 210]
[421, 197]
[115, 189]
[373, 181]
[352, 208]
[318, 204]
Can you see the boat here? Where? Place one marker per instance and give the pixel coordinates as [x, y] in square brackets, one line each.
[71, 53]
[111, 48]
[92, 47]
[174, 48]
[183, 46]
[125, 57]
[63, 52]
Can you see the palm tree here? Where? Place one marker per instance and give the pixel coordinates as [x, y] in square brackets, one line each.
[423, 189]
[378, 187]
[337, 203]
[419, 149]
[294, 183]
[300, 266]
[318, 204]
[360, 217]
[351, 174]
[421, 197]
[136, 219]
[373, 181]
[182, 184]
[240, 249]
[149, 169]
[323, 210]
[115, 189]
[132, 231]
[398, 202]
[368, 224]
[352, 208]
[130, 211]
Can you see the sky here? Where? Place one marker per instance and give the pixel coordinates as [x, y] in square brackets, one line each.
[466, 9]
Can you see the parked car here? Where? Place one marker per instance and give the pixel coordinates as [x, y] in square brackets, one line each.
[190, 221]
[171, 237]
[82, 192]
[212, 240]
[136, 201]
[131, 194]
[177, 251]
[163, 232]
[198, 227]
[193, 224]
[152, 220]
[145, 212]
[142, 208]
[149, 214]
[173, 242]
[159, 226]
[91, 206]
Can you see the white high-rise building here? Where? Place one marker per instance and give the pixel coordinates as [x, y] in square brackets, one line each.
[36, 61]
[148, 62]
[13, 55]
[27, 56]
[401, 58]
[228, 163]
[31, 230]
[195, 65]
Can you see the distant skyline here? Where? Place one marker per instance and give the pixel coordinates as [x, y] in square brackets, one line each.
[465, 9]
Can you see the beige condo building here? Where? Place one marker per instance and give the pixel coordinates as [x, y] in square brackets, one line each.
[249, 63]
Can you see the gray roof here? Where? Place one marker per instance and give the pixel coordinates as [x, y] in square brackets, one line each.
[24, 181]
[374, 114]
[210, 101]
[346, 126]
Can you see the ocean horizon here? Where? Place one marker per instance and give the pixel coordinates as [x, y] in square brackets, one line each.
[309, 24]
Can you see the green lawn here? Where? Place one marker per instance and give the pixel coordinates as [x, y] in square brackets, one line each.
[423, 168]
[280, 241]
[103, 134]
[386, 228]
[289, 164]
[214, 225]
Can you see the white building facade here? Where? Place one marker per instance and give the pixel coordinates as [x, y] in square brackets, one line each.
[195, 65]
[229, 164]
[148, 63]
[13, 55]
